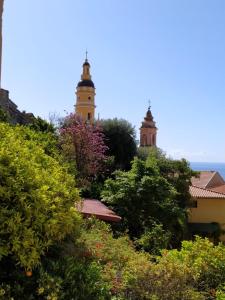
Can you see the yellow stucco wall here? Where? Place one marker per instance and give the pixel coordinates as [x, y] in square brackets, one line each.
[208, 211]
[85, 102]
[85, 95]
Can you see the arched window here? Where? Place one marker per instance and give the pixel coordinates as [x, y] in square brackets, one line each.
[143, 140]
[89, 116]
[153, 139]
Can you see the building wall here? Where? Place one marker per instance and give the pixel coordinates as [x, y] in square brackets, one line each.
[85, 103]
[15, 116]
[208, 211]
[148, 136]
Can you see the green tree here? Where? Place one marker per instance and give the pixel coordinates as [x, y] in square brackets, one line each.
[177, 172]
[37, 198]
[39, 124]
[143, 197]
[120, 139]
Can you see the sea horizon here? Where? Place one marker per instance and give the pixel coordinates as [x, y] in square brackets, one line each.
[209, 166]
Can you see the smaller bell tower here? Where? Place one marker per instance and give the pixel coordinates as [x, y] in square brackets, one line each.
[148, 130]
[85, 94]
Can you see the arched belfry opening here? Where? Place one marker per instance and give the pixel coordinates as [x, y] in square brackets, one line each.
[148, 130]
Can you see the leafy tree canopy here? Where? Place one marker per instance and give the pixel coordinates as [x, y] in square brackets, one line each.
[150, 194]
[37, 197]
[39, 124]
[120, 139]
[177, 172]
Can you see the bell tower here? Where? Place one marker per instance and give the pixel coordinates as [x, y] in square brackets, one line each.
[148, 130]
[85, 94]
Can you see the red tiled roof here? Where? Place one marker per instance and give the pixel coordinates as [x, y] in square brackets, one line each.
[93, 207]
[203, 179]
[219, 189]
[198, 192]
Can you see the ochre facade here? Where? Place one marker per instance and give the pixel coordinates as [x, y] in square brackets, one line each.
[148, 131]
[85, 95]
[209, 211]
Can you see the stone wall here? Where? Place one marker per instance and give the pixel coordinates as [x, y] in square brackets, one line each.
[8, 106]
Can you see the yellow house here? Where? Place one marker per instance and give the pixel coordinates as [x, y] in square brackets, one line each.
[207, 213]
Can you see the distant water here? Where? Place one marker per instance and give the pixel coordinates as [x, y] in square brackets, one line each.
[206, 166]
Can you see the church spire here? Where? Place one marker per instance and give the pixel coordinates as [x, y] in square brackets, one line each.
[86, 69]
[148, 130]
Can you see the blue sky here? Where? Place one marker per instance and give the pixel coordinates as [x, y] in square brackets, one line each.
[169, 51]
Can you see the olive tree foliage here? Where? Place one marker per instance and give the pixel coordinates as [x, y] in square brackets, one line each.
[37, 196]
[120, 139]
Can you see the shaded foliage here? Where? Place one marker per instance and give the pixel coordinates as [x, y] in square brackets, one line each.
[120, 139]
[4, 117]
[41, 125]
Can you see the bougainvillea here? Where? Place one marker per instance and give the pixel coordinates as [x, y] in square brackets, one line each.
[83, 143]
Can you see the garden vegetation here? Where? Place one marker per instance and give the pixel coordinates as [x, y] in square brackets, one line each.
[48, 251]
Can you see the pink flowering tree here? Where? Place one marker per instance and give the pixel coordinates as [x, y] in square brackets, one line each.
[83, 143]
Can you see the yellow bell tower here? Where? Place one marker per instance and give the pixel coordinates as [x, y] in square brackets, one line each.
[85, 102]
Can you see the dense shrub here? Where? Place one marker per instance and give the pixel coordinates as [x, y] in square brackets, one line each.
[136, 275]
[205, 260]
[37, 198]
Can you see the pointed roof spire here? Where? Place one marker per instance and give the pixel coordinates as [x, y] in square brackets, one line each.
[149, 104]
[149, 117]
[86, 63]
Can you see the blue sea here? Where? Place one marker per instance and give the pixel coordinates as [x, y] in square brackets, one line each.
[206, 166]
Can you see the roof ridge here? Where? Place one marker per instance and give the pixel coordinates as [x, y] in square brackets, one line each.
[213, 175]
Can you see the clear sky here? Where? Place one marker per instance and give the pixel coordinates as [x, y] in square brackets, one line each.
[169, 51]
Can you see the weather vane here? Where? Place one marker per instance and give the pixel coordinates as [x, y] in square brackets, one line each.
[149, 103]
[86, 53]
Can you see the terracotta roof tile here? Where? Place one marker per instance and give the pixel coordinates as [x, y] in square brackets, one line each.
[198, 192]
[203, 179]
[219, 189]
[93, 207]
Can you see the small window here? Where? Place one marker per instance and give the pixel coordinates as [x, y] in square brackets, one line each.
[89, 98]
[89, 116]
[193, 204]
